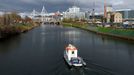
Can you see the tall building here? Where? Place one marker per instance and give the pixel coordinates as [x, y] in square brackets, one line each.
[87, 15]
[97, 17]
[74, 12]
[116, 17]
[109, 8]
[127, 13]
[110, 16]
[74, 9]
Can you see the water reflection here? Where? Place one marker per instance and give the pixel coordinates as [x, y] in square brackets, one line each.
[40, 52]
[73, 36]
[10, 44]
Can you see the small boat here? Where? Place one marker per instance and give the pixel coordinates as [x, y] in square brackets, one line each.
[71, 57]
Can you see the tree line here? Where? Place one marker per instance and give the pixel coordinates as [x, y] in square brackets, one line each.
[13, 18]
[12, 23]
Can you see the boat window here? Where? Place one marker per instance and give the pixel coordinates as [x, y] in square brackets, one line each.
[75, 60]
[72, 52]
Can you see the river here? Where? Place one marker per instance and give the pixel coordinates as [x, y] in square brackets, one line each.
[40, 52]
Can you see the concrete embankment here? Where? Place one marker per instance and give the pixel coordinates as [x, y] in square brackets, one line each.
[125, 34]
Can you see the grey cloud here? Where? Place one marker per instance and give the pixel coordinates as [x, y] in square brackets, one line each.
[54, 5]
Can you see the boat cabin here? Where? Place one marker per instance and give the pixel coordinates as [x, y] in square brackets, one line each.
[71, 52]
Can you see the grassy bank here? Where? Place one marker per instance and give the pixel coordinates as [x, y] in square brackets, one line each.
[119, 33]
[12, 24]
[9, 30]
[78, 25]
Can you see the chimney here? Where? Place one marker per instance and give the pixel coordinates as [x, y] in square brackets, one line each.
[105, 9]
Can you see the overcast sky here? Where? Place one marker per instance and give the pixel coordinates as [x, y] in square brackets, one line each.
[62, 5]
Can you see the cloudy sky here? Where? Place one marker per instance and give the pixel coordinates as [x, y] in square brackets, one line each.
[62, 5]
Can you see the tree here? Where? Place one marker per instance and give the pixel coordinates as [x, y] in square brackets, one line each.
[1, 20]
[28, 19]
[11, 18]
[15, 17]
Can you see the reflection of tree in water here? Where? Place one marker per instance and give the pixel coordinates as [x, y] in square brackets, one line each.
[7, 44]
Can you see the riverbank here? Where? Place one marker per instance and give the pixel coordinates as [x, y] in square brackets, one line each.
[126, 34]
[11, 30]
[12, 24]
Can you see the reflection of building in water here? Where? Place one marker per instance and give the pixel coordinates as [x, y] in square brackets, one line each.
[73, 36]
[74, 12]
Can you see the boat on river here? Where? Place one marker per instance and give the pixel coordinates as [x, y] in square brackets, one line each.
[71, 57]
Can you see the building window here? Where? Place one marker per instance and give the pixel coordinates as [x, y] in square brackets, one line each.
[72, 52]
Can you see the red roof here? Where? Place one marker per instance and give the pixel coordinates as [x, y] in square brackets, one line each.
[71, 47]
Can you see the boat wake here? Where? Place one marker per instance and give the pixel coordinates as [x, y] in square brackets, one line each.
[97, 69]
[88, 71]
[91, 69]
[61, 68]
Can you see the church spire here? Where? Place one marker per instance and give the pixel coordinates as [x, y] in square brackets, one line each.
[44, 11]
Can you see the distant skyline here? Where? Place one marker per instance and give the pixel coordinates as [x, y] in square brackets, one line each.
[62, 5]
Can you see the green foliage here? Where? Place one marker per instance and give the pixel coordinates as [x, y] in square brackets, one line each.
[73, 20]
[14, 24]
[15, 28]
[67, 20]
[120, 32]
[9, 19]
[76, 24]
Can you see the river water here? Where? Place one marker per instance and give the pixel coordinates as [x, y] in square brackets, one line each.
[40, 52]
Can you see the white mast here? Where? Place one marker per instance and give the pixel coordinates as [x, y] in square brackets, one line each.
[44, 11]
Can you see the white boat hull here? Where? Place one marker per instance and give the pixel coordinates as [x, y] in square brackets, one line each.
[71, 64]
